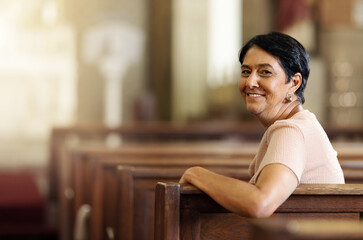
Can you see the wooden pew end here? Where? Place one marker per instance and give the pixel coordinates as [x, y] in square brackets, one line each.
[165, 209]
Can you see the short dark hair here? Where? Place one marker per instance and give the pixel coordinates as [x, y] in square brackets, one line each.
[291, 54]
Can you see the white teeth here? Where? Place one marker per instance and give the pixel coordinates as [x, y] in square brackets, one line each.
[254, 95]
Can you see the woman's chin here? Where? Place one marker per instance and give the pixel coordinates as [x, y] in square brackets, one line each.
[252, 110]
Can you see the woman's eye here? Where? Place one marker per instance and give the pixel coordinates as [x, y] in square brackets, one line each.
[245, 72]
[266, 72]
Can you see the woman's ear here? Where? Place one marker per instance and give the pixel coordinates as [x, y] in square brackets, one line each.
[296, 81]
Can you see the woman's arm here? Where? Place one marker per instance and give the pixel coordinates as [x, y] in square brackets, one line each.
[274, 185]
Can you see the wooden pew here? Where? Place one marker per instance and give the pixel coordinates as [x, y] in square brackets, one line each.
[245, 150]
[65, 138]
[161, 132]
[126, 210]
[349, 150]
[142, 132]
[344, 134]
[84, 155]
[311, 229]
[82, 166]
[84, 158]
[118, 204]
[350, 155]
[352, 164]
[184, 212]
[353, 175]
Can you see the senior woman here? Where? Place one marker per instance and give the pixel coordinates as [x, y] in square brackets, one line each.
[294, 149]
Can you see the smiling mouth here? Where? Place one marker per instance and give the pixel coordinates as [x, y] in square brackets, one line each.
[255, 95]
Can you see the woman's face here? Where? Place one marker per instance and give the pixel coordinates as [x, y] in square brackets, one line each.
[263, 84]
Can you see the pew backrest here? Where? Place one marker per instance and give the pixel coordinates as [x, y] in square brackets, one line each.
[80, 166]
[143, 132]
[123, 198]
[72, 199]
[311, 229]
[184, 212]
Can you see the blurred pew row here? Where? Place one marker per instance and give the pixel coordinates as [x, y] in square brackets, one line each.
[102, 180]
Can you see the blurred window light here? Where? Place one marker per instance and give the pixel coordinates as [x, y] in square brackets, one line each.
[37, 70]
[50, 12]
[3, 32]
[225, 38]
[358, 13]
[348, 99]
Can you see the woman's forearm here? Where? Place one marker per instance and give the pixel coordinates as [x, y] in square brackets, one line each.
[233, 194]
[274, 185]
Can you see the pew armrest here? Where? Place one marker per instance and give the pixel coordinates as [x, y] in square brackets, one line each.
[81, 223]
[167, 215]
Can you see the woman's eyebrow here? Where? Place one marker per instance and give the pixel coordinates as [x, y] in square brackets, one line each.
[259, 65]
[265, 65]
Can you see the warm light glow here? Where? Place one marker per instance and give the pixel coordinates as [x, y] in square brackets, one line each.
[37, 70]
[50, 12]
[225, 34]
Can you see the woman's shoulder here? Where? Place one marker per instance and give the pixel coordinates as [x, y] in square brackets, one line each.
[299, 120]
[285, 129]
[303, 123]
[298, 124]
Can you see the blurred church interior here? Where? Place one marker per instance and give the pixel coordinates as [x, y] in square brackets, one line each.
[117, 62]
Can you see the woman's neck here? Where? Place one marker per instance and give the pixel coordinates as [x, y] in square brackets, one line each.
[293, 108]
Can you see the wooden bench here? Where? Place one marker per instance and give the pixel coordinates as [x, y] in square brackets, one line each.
[245, 151]
[344, 134]
[62, 167]
[80, 171]
[142, 132]
[124, 198]
[184, 212]
[71, 199]
[86, 159]
[298, 229]
[83, 158]
[115, 187]
[349, 150]
[62, 137]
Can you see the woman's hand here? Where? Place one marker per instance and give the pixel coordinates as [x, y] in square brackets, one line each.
[188, 175]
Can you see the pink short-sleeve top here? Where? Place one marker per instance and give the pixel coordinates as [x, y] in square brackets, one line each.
[301, 144]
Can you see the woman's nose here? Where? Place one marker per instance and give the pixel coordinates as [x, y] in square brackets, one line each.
[252, 81]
